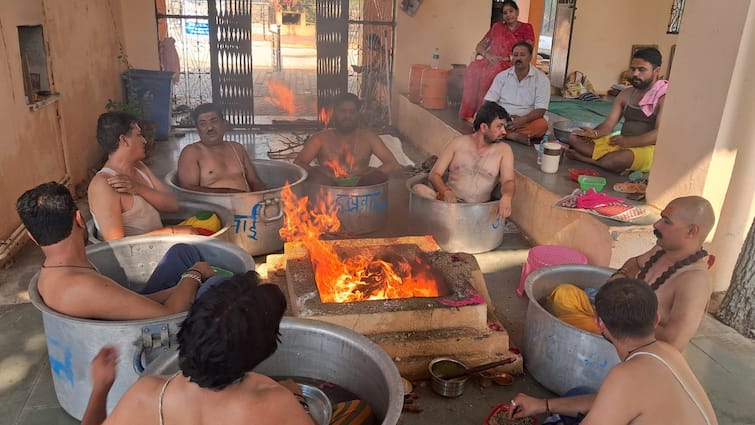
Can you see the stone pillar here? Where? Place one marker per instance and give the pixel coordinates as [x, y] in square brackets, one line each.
[707, 131]
[738, 206]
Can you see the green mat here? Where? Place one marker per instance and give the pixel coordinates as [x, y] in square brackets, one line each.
[579, 110]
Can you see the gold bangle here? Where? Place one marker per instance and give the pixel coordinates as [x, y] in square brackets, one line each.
[595, 132]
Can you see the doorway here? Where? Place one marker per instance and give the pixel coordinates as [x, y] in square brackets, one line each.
[555, 37]
[278, 62]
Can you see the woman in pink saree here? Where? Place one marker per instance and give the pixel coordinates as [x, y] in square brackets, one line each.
[495, 49]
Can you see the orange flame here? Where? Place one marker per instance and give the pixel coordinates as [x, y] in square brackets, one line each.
[281, 96]
[340, 169]
[325, 115]
[358, 278]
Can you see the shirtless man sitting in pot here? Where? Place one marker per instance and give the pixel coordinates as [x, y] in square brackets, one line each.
[475, 163]
[343, 152]
[213, 164]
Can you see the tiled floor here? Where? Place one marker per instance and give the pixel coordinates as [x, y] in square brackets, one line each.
[723, 360]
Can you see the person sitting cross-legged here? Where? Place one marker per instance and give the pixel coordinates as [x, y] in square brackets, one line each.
[524, 91]
[641, 107]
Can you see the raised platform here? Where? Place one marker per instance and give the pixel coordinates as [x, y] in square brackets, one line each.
[605, 242]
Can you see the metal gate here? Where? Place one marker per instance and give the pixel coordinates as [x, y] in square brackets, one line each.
[231, 59]
[218, 42]
[332, 50]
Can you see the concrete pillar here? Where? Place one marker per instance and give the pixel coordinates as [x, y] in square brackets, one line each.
[707, 131]
[738, 126]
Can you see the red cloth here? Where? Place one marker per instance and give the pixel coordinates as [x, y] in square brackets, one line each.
[480, 73]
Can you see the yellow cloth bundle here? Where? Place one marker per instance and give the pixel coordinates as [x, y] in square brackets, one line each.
[572, 305]
[206, 220]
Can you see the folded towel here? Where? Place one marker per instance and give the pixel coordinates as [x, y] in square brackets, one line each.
[650, 100]
[593, 199]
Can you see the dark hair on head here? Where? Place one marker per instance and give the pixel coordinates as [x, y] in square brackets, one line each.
[111, 126]
[628, 307]
[47, 211]
[347, 97]
[649, 54]
[230, 329]
[487, 113]
[525, 44]
[205, 108]
[513, 4]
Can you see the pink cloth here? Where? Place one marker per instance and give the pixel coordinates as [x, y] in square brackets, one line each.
[650, 100]
[593, 199]
[480, 73]
[169, 58]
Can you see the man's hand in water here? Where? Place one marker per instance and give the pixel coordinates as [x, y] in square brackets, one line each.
[103, 368]
[449, 195]
[504, 207]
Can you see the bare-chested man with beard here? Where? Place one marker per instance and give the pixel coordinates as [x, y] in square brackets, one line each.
[475, 163]
[213, 164]
[343, 152]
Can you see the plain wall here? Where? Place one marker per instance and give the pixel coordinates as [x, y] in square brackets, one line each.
[59, 138]
[139, 27]
[604, 32]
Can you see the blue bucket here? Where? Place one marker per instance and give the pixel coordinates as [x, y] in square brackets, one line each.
[153, 90]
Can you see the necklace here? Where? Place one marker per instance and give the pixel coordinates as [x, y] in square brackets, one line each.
[641, 346]
[68, 265]
[669, 271]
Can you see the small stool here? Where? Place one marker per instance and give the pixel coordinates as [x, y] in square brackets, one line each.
[548, 255]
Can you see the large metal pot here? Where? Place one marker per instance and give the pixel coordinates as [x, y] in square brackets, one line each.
[332, 353]
[558, 355]
[457, 227]
[361, 209]
[72, 342]
[186, 209]
[258, 216]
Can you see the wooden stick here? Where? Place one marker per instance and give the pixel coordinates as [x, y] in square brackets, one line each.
[479, 368]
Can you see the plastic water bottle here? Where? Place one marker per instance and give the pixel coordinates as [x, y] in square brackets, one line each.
[540, 150]
[435, 64]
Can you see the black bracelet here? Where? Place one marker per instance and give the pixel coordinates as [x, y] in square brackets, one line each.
[192, 269]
